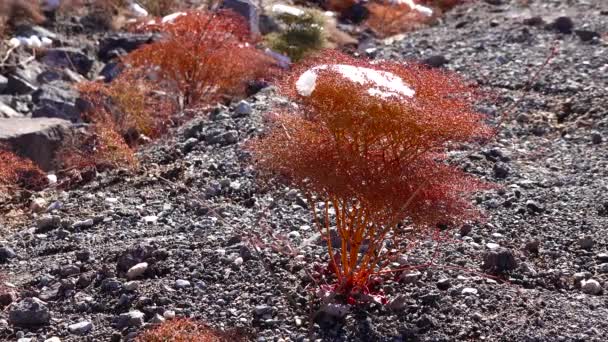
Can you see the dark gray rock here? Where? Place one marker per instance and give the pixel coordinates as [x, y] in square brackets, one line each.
[587, 35]
[29, 312]
[563, 25]
[71, 58]
[37, 139]
[3, 83]
[57, 99]
[133, 318]
[501, 170]
[499, 260]
[436, 61]
[18, 85]
[6, 253]
[110, 71]
[124, 41]
[248, 10]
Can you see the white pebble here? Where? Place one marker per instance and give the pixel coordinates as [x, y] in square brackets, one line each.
[591, 286]
[137, 270]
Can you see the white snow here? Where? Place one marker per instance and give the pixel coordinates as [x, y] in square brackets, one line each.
[412, 5]
[381, 83]
[32, 42]
[137, 10]
[171, 17]
[14, 42]
[285, 9]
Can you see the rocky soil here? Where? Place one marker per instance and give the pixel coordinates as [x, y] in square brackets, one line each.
[191, 234]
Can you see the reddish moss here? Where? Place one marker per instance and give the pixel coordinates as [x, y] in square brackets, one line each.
[19, 173]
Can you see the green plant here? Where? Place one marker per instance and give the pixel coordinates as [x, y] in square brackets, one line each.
[368, 142]
[204, 56]
[303, 35]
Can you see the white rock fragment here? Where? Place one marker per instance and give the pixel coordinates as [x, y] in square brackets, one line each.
[83, 224]
[591, 286]
[238, 261]
[469, 291]
[131, 285]
[14, 42]
[169, 314]
[286, 9]
[150, 219]
[171, 17]
[137, 10]
[52, 178]
[492, 245]
[381, 84]
[46, 42]
[137, 270]
[414, 6]
[35, 42]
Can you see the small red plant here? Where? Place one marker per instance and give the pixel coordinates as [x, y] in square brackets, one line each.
[204, 56]
[368, 142]
[102, 148]
[387, 18]
[19, 173]
[185, 330]
[131, 99]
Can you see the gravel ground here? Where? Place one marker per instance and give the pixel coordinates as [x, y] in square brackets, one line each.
[192, 213]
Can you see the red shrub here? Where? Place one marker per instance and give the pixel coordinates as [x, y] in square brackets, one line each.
[387, 19]
[101, 148]
[184, 330]
[19, 173]
[373, 152]
[204, 56]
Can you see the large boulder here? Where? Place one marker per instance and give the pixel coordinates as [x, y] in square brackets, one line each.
[38, 138]
[118, 43]
[29, 312]
[71, 58]
[248, 9]
[57, 99]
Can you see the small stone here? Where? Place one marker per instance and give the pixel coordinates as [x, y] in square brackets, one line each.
[435, 61]
[110, 285]
[46, 223]
[6, 299]
[501, 170]
[243, 108]
[38, 205]
[586, 242]
[137, 270]
[591, 286]
[596, 138]
[444, 284]
[83, 224]
[238, 261]
[469, 291]
[169, 314]
[398, 303]
[81, 328]
[150, 219]
[181, 283]
[499, 260]
[70, 270]
[563, 25]
[587, 35]
[294, 234]
[53, 339]
[602, 257]
[262, 310]
[411, 277]
[157, 319]
[131, 285]
[491, 245]
[6, 253]
[29, 312]
[133, 318]
[534, 206]
[533, 246]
